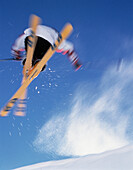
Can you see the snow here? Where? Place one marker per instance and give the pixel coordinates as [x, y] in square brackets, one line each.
[119, 159]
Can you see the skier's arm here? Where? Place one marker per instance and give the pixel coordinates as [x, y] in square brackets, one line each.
[18, 48]
[67, 47]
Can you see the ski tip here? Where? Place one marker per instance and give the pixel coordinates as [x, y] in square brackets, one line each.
[3, 114]
[68, 25]
[66, 30]
[34, 19]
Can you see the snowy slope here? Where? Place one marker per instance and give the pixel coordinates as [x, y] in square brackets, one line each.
[120, 159]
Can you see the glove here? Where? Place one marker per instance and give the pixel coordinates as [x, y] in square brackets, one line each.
[73, 57]
[18, 54]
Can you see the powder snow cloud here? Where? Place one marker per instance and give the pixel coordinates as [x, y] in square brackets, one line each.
[98, 120]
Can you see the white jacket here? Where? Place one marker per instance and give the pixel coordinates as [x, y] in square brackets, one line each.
[51, 36]
[48, 34]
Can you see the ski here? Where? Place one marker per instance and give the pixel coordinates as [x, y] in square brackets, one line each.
[37, 69]
[21, 104]
[32, 39]
[20, 109]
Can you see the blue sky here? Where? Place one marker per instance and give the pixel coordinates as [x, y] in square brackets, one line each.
[61, 101]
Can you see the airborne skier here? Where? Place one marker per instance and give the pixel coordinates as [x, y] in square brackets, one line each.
[46, 37]
[20, 94]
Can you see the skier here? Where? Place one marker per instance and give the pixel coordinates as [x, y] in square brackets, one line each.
[46, 37]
